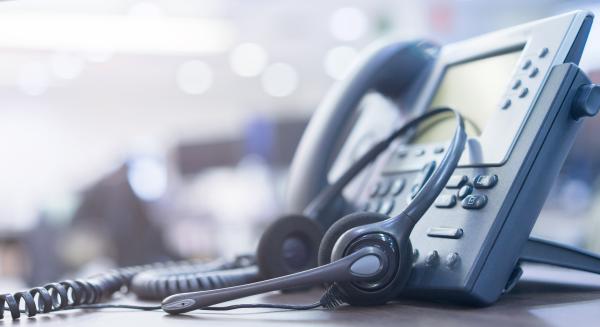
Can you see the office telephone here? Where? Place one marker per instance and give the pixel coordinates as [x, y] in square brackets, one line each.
[442, 185]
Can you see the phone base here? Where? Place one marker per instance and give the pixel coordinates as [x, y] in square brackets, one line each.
[538, 250]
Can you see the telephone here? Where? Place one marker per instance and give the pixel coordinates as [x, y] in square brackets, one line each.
[432, 194]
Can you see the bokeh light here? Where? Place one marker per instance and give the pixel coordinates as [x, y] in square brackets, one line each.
[348, 24]
[279, 80]
[194, 77]
[338, 61]
[248, 59]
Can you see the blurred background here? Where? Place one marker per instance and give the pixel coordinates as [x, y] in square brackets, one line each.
[134, 131]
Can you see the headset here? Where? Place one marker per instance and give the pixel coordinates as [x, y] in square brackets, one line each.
[365, 256]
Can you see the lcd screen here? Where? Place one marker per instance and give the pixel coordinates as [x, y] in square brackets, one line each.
[475, 89]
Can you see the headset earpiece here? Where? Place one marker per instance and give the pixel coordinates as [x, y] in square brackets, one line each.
[290, 244]
[397, 267]
[340, 227]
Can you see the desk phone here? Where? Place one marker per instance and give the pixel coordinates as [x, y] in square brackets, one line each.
[516, 89]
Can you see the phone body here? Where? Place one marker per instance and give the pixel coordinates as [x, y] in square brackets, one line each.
[515, 88]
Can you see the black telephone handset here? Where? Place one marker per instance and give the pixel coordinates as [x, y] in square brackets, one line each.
[441, 221]
[390, 69]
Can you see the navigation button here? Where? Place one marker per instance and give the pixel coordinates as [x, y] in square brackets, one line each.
[506, 104]
[464, 191]
[526, 64]
[374, 189]
[419, 152]
[474, 201]
[543, 52]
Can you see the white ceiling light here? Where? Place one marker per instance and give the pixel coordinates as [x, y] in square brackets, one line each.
[279, 80]
[338, 61]
[348, 24]
[194, 77]
[248, 59]
[128, 34]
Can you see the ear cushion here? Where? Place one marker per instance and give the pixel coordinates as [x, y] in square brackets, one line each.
[290, 244]
[340, 227]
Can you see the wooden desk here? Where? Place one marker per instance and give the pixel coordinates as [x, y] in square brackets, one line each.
[545, 297]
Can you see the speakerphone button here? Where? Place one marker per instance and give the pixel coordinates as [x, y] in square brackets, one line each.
[533, 73]
[419, 152]
[474, 201]
[506, 104]
[485, 181]
[445, 232]
[526, 64]
[543, 52]
[438, 149]
[457, 181]
[523, 92]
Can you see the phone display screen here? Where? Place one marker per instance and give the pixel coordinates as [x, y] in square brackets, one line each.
[474, 88]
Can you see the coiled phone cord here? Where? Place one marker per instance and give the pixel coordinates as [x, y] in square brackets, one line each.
[89, 293]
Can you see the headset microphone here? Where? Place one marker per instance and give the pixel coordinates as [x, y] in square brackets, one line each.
[367, 264]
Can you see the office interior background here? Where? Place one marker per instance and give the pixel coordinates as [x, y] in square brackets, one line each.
[135, 131]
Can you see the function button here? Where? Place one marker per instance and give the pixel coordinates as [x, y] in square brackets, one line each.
[387, 206]
[474, 201]
[445, 232]
[445, 201]
[464, 191]
[432, 258]
[438, 149]
[384, 188]
[374, 189]
[516, 84]
[374, 205]
[526, 64]
[533, 73]
[543, 52]
[456, 181]
[506, 104]
[452, 259]
[420, 152]
[397, 186]
[523, 92]
[485, 181]
[401, 153]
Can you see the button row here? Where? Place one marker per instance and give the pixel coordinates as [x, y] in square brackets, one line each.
[531, 71]
[465, 190]
[433, 258]
[419, 152]
[385, 187]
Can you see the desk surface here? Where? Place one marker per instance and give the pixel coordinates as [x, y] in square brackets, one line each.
[544, 297]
